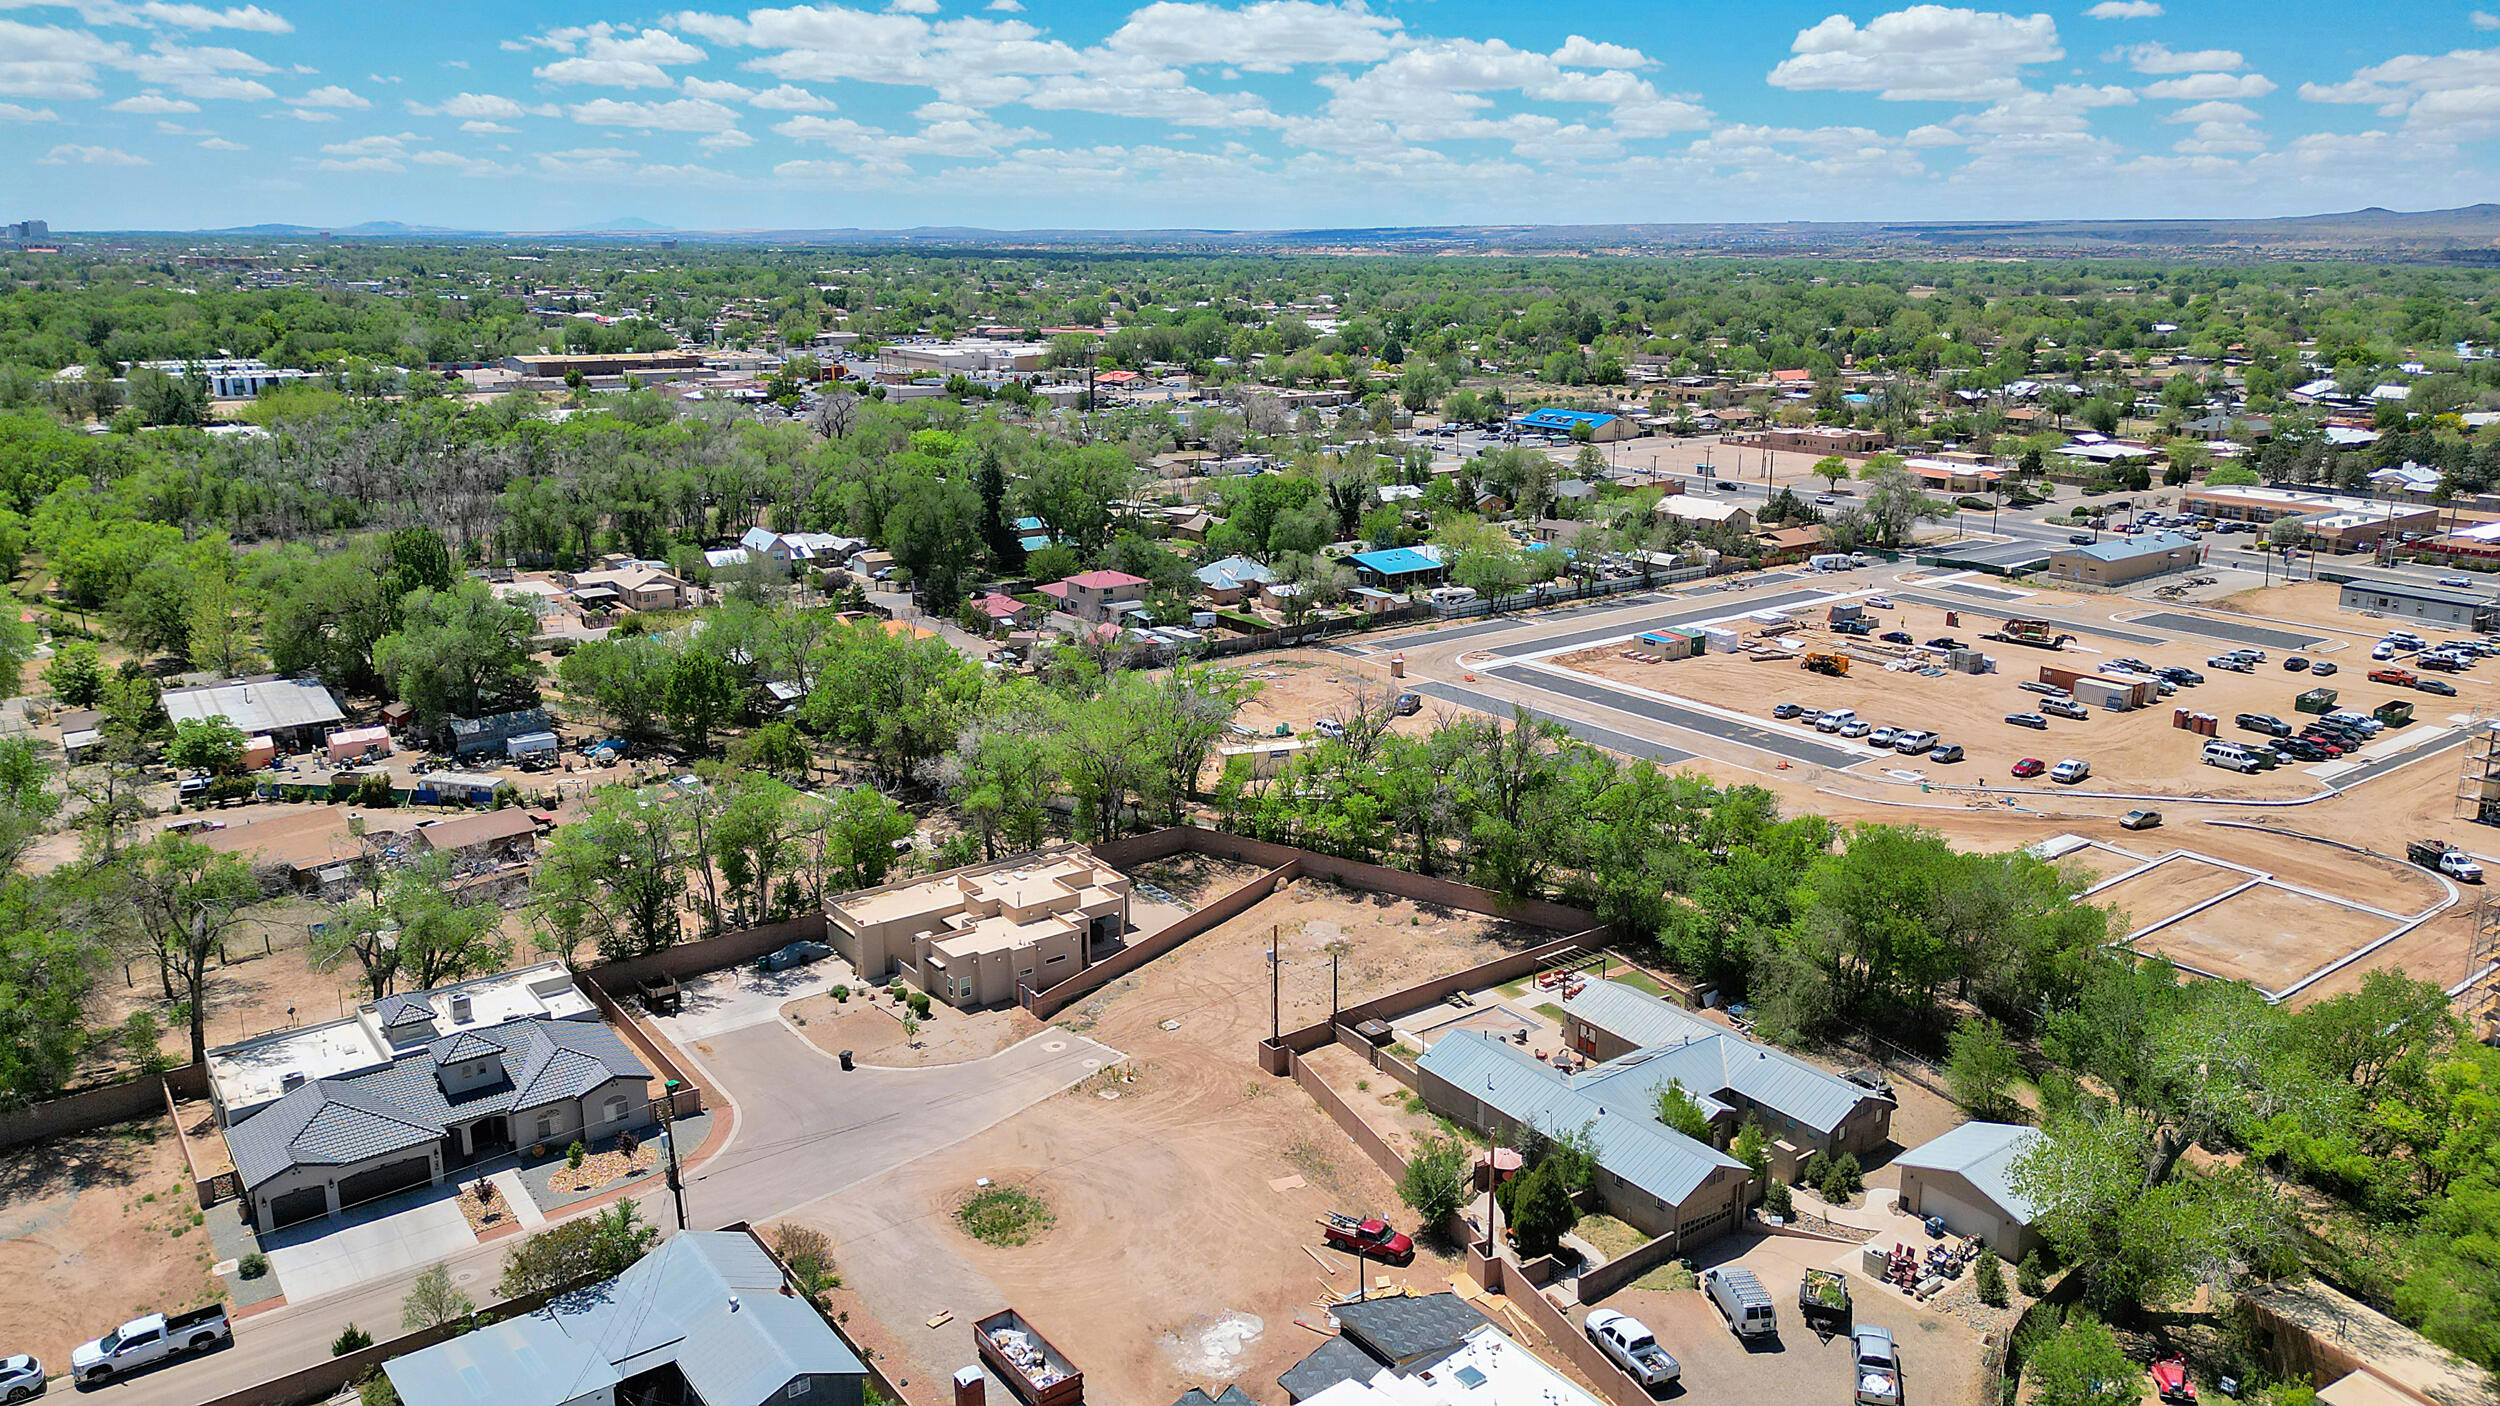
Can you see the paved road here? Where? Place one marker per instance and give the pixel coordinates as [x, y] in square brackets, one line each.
[1714, 608]
[806, 1130]
[1744, 734]
[2065, 623]
[2231, 630]
[1590, 733]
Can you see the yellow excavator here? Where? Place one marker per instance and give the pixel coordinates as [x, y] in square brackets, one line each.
[1836, 665]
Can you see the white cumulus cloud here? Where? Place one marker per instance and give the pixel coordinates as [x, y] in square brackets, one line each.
[1923, 52]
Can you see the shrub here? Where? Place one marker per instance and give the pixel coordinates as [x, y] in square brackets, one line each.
[1836, 1179]
[253, 1265]
[628, 1145]
[1989, 1279]
[350, 1339]
[2030, 1276]
[841, 993]
[1540, 1210]
[575, 1155]
[809, 1255]
[919, 1001]
[1777, 1200]
[1004, 1215]
[377, 1391]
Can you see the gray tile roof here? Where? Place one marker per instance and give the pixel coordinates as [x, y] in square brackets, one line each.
[1397, 1331]
[339, 1122]
[1631, 1142]
[1982, 1154]
[674, 1305]
[1336, 1360]
[406, 1008]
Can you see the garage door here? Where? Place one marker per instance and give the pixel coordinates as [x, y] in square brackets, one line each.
[1960, 1215]
[301, 1204]
[383, 1180]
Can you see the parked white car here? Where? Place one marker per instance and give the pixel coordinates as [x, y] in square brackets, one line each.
[21, 1378]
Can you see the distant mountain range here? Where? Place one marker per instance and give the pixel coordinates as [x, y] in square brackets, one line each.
[2467, 234]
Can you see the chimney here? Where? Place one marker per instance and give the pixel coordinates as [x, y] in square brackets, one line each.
[733, 1303]
[971, 1389]
[459, 1009]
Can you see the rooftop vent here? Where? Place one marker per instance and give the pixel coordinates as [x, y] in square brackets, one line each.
[460, 1009]
[291, 1080]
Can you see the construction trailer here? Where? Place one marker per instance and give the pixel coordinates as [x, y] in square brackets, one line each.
[1673, 644]
[2102, 690]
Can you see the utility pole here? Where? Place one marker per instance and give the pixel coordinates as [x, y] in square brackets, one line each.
[668, 1130]
[1275, 976]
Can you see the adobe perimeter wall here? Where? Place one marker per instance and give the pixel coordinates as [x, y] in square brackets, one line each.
[1375, 878]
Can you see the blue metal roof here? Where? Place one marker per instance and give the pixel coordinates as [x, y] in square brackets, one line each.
[1631, 1142]
[709, 1301]
[1396, 561]
[1708, 1060]
[1563, 419]
[1982, 1154]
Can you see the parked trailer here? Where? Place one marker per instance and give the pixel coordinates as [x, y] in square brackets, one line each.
[1026, 1361]
[2039, 634]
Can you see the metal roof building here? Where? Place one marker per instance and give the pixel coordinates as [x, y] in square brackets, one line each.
[704, 1318]
[1966, 1179]
[298, 712]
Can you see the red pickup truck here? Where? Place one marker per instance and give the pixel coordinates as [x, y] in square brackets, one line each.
[1370, 1237]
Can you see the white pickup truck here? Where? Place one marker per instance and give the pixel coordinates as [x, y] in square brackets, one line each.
[150, 1338]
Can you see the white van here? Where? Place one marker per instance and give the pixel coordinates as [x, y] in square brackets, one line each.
[2230, 756]
[1835, 720]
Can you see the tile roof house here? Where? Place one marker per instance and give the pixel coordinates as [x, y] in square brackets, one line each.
[1005, 612]
[1098, 595]
[706, 1319]
[322, 1117]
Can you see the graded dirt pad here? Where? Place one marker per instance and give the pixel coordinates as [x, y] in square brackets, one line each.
[88, 1237]
[1377, 1098]
[871, 1028]
[1168, 1238]
[2171, 886]
[2314, 603]
[2267, 935]
[1194, 878]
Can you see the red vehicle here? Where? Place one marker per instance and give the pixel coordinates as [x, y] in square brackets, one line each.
[2403, 677]
[2030, 766]
[1370, 1237]
[2170, 1378]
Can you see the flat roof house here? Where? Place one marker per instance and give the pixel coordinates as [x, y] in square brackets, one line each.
[2121, 560]
[1965, 1179]
[979, 936]
[328, 1116]
[706, 1319]
[1398, 568]
[1688, 507]
[298, 713]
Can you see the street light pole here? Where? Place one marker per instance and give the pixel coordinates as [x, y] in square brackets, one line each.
[668, 1130]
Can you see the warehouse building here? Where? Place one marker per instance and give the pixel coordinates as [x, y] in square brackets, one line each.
[2122, 561]
[298, 714]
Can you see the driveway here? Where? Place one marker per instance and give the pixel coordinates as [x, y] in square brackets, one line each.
[393, 1236]
[737, 997]
[808, 1129]
[1940, 1354]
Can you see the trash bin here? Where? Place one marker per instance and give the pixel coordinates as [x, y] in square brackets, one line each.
[846, 1059]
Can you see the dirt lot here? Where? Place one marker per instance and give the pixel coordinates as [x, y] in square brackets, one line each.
[1173, 1262]
[2267, 935]
[1940, 1354]
[872, 1030]
[95, 1229]
[2168, 887]
[2314, 603]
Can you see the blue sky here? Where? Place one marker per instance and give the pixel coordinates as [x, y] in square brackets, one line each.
[152, 114]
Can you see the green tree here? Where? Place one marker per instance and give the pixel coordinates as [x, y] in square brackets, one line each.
[1980, 1067]
[179, 900]
[615, 879]
[594, 1247]
[2082, 1365]
[1538, 1210]
[459, 653]
[76, 674]
[1435, 1185]
[47, 985]
[1678, 1111]
[701, 696]
[432, 1301]
[2231, 475]
[415, 923]
[623, 677]
[212, 746]
[1988, 1278]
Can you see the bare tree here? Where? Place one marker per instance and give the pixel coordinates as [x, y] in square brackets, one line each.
[835, 409]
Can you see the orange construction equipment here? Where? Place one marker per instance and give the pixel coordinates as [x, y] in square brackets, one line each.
[1836, 665]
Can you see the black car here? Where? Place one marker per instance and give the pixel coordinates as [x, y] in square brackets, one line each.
[2132, 665]
[1897, 637]
[2441, 687]
[1945, 642]
[2298, 750]
[2295, 665]
[2079, 539]
[2180, 674]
